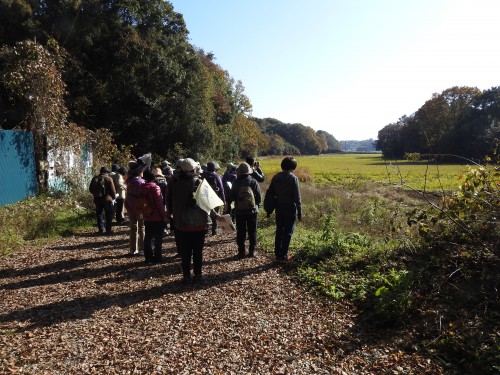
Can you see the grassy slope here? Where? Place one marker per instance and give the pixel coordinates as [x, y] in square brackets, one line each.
[355, 246]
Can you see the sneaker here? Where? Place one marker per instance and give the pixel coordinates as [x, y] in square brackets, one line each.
[251, 254]
[240, 256]
[186, 280]
[140, 252]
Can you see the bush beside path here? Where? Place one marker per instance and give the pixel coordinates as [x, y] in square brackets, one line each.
[81, 305]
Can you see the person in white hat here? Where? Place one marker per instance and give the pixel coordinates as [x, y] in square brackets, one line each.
[190, 221]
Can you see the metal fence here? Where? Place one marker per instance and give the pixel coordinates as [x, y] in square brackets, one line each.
[17, 166]
[66, 169]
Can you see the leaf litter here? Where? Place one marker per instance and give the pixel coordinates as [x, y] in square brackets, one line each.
[81, 305]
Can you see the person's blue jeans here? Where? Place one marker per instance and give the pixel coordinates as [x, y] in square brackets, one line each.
[104, 207]
[191, 246]
[285, 224]
[153, 231]
[246, 223]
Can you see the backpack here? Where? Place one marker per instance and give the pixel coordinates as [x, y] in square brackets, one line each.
[190, 214]
[193, 216]
[245, 200]
[97, 187]
[213, 183]
[142, 207]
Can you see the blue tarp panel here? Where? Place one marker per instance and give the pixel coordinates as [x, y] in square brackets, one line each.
[17, 166]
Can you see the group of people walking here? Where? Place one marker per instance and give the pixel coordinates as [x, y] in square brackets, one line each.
[157, 198]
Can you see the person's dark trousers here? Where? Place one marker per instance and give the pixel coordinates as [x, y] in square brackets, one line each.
[246, 223]
[285, 224]
[119, 210]
[102, 206]
[177, 242]
[214, 222]
[153, 231]
[191, 246]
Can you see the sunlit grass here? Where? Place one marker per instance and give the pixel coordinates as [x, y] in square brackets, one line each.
[351, 170]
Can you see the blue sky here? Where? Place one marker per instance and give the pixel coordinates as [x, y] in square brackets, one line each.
[349, 67]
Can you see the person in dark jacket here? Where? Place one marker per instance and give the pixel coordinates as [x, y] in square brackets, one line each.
[246, 216]
[283, 195]
[104, 192]
[191, 222]
[161, 181]
[257, 172]
[154, 222]
[215, 181]
[228, 179]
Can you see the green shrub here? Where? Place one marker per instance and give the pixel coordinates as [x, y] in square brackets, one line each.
[468, 217]
[394, 296]
[41, 217]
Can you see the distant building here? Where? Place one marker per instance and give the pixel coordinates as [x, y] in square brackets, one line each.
[367, 145]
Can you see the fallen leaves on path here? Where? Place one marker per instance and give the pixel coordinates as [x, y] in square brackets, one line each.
[81, 305]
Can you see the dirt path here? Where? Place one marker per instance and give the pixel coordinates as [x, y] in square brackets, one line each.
[81, 306]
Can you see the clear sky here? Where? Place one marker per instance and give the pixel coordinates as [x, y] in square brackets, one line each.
[349, 67]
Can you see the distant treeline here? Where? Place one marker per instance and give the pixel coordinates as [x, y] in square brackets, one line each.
[462, 121]
[129, 67]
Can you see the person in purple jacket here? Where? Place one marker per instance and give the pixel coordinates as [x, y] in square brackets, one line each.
[134, 183]
[154, 222]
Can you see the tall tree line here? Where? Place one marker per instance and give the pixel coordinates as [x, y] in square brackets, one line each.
[129, 68]
[463, 121]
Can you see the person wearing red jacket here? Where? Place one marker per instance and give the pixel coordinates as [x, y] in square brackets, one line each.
[154, 222]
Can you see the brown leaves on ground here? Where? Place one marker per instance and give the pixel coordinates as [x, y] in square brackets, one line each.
[81, 305]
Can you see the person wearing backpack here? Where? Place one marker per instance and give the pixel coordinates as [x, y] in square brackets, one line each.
[246, 195]
[283, 195]
[215, 182]
[190, 221]
[154, 217]
[136, 222]
[103, 190]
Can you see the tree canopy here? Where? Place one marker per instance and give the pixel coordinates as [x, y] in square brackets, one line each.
[461, 120]
[128, 67]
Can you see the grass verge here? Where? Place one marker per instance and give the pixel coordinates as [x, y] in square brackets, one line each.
[39, 219]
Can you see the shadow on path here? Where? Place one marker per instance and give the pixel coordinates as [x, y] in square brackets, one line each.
[84, 307]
